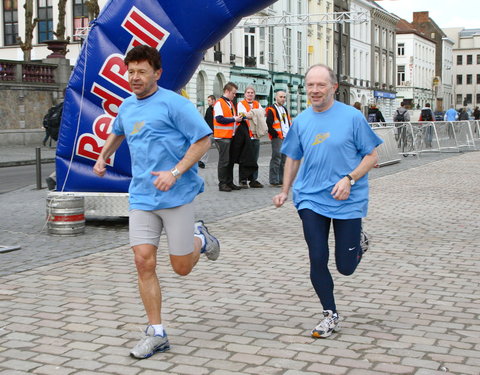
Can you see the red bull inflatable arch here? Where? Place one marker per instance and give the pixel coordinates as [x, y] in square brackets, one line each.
[181, 30]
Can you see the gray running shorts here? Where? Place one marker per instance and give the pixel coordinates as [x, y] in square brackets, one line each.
[145, 227]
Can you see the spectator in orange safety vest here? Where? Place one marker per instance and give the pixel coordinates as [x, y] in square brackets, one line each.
[278, 122]
[225, 121]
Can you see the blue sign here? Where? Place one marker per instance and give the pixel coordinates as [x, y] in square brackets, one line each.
[381, 94]
[181, 31]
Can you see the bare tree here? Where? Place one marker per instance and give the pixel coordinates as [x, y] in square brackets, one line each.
[92, 8]
[60, 32]
[30, 24]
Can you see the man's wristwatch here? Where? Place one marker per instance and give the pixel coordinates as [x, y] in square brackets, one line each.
[352, 181]
[175, 172]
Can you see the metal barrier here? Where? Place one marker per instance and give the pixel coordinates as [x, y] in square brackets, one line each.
[387, 151]
[413, 138]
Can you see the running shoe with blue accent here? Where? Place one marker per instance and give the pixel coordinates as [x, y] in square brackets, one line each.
[150, 344]
[327, 326]
[211, 249]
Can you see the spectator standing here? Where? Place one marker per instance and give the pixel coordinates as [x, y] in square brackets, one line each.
[463, 115]
[338, 148]
[278, 122]
[209, 120]
[476, 113]
[374, 114]
[426, 114]
[164, 183]
[225, 121]
[451, 115]
[401, 114]
[247, 108]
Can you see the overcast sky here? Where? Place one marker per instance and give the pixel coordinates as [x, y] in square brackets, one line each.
[445, 13]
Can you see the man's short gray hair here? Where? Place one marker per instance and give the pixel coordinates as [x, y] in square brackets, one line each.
[250, 87]
[331, 73]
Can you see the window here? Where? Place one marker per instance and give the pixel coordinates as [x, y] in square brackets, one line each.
[250, 47]
[45, 20]
[400, 75]
[478, 99]
[459, 99]
[10, 22]
[478, 79]
[288, 51]
[468, 98]
[469, 59]
[459, 79]
[80, 16]
[469, 79]
[299, 51]
[459, 59]
[478, 59]
[401, 49]
[270, 48]
[261, 48]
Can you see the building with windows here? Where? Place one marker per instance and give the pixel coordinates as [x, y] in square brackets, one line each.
[360, 56]
[320, 36]
[466, 66]
[415, 66]
[442, 81]
[267, 51]
[14, 26]
[383, 25]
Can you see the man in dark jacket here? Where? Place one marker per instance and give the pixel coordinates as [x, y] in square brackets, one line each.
[374, 114]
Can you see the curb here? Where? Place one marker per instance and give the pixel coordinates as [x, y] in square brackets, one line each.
[25, 162]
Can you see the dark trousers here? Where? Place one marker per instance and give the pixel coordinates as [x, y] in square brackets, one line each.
[277, 162]
[225, 166]
[347, 251]
[256, 154]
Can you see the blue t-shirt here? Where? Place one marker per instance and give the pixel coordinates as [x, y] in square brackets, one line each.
[159, 130]
[332, 144]
[451, 115]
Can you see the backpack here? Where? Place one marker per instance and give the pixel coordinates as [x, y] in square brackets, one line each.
[372, 117]
[426, 114]
[53, 118]
[399, 117]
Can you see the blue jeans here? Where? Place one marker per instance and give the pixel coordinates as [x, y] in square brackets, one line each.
[347, 251]
[277, 162]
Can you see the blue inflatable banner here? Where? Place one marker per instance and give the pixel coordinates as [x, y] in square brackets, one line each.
[181, 30]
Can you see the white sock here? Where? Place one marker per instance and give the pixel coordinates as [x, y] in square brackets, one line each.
[158, 329]
[202, 238]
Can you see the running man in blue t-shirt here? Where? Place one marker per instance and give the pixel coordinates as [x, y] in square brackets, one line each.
[338, 149]
[166, 137]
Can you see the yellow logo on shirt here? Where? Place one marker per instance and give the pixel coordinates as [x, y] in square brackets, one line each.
[137, 127]
[319, 138]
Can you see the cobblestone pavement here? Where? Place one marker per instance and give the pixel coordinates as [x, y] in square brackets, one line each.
[71, 306]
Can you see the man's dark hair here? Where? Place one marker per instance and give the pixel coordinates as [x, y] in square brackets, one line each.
[230, 86]
[144, 53]
[402, 104]
[212, 97]
[427, 105]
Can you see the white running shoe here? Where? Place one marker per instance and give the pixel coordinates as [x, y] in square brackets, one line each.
[212, 246]
[150, 344]
[327, 326]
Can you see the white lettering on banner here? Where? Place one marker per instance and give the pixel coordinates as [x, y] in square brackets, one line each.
[114, 71]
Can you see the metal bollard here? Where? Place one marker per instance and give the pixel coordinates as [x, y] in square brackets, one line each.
[38, 164]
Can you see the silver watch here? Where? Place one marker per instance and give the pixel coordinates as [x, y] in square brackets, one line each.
[352, 181]
[175, 172]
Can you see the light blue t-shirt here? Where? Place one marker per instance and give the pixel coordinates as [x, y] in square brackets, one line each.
[332, 144]
[451, 115]
[159, 130]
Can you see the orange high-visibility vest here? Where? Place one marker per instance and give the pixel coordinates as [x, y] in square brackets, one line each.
[248, 108]
[224, 130]
[277, 124]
